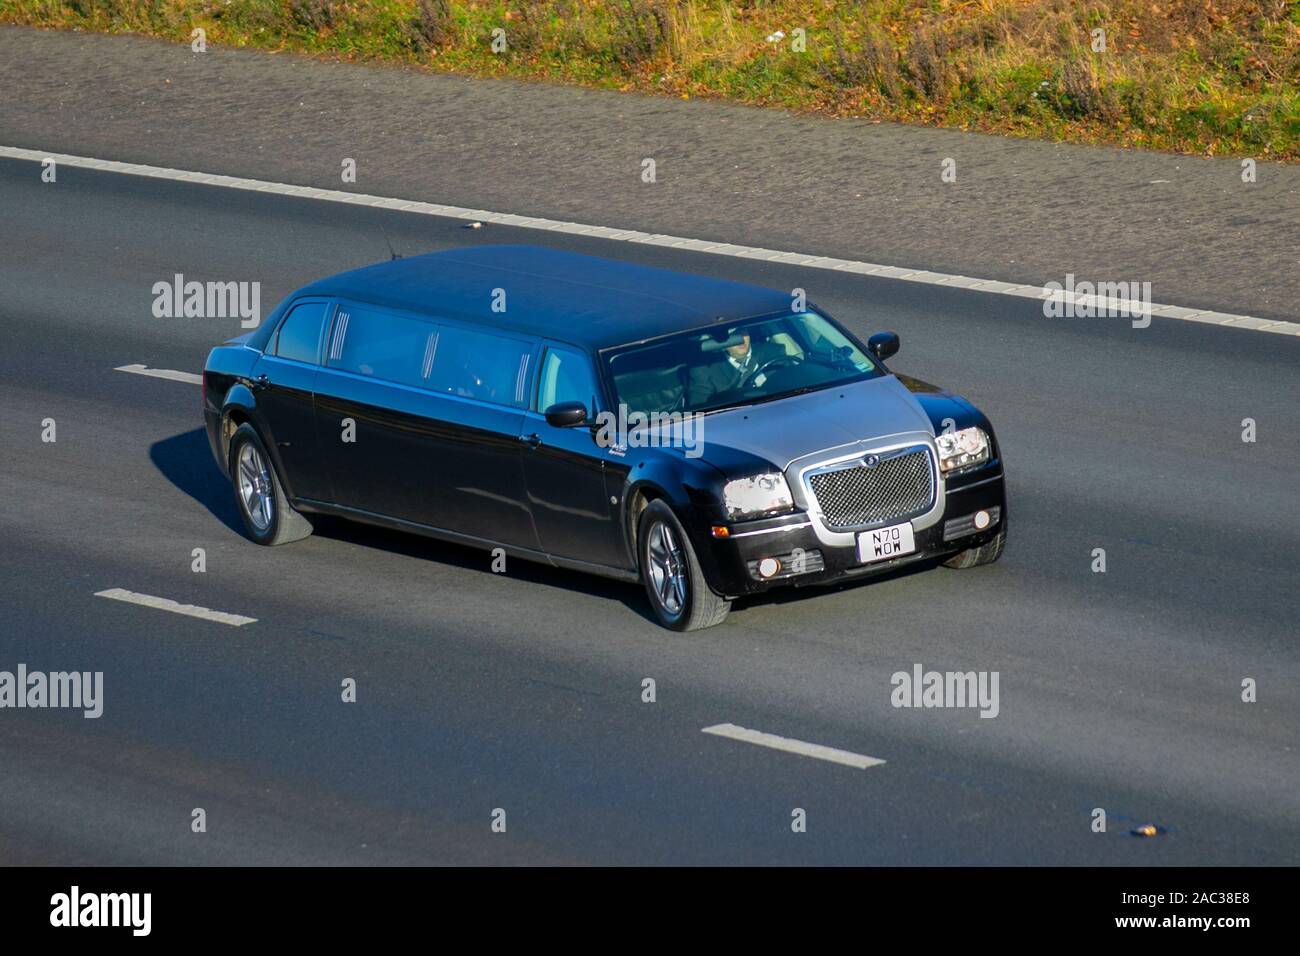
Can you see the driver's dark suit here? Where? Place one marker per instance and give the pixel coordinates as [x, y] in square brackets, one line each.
[724, 375]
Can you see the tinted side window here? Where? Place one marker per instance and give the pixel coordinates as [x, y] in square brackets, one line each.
[481, 365]
[566, 377]
[381, 345]
[299, 334]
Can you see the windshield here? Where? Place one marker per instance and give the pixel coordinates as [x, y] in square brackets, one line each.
[737, 364]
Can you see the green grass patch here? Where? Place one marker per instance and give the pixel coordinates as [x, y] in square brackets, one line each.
[1196, 76]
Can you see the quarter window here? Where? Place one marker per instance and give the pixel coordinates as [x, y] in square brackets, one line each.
[299, 335]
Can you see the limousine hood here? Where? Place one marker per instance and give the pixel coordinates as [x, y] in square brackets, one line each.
[781, 431]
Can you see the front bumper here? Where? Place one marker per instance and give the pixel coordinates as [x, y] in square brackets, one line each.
[731, 563]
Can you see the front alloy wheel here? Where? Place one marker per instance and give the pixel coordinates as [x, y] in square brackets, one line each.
[667, 571]
[679, 594]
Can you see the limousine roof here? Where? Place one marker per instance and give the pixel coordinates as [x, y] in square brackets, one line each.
[583, 300]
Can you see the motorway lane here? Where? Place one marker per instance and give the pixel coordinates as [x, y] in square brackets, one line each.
[523, 690]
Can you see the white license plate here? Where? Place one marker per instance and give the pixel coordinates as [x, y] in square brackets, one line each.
[885, 543]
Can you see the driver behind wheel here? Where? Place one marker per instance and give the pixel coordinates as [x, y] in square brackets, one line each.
[742, 368]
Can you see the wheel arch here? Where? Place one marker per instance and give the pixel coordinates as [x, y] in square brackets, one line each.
[239, 408]
[637, 498]
[686, 491]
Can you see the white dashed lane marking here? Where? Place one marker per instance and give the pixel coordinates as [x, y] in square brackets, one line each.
[804, 259]
[789, 745]
[164, 604]
[161, 373]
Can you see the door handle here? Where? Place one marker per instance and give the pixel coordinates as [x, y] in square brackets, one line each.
[532, 441]
[261, 382]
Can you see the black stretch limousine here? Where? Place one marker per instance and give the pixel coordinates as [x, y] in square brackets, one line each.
[697, 434]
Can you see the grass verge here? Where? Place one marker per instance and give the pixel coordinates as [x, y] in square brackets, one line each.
[1214, 77]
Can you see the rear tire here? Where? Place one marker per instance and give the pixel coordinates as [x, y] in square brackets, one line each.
[679, 595]
[986, 553]
[268, 517]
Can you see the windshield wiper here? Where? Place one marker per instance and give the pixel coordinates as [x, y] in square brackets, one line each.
[726, 408]
[804, 390]
[842, 363]
[764, 399]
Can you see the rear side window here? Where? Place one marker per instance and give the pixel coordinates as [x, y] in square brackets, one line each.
[566, 377]
[480, 365]
[299, 335]
[382, 345]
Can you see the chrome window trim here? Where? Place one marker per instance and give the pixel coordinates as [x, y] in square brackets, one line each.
[423, 390]
[521, 378]
[430, 351]
[340, 331]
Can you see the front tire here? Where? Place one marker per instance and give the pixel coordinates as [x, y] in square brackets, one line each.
[268, 517]
[986, 553]
[675, 584]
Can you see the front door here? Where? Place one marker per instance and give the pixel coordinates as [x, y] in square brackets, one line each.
[564, 467]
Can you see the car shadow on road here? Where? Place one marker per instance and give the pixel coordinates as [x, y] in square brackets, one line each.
[469, 558]
[186, 461]
[630, 595]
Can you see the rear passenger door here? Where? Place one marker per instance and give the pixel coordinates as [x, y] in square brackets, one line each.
[433, 431]
[481, 381]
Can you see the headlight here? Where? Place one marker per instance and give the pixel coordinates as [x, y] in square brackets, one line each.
[751, 497]
[962, 449]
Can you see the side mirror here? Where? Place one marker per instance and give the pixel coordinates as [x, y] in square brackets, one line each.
[883, 344]
[566, 414]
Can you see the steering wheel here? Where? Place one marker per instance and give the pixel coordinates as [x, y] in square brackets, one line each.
[781, 361]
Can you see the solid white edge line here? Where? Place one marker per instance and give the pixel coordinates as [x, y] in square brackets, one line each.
[806, 260]
[789, 745]
[164, 604]
[166, 373]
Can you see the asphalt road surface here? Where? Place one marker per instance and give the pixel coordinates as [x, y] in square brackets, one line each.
[523, 691]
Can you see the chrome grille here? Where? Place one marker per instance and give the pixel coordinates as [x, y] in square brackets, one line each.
[855, 496]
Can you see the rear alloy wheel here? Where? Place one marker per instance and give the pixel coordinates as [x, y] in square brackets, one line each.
[268, 517]
[679, 594]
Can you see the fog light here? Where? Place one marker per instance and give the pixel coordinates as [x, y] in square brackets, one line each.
[768, 567]
[982, 519]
